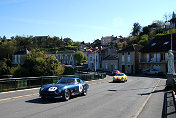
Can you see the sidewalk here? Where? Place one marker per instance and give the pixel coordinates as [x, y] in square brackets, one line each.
[160, 104]
[169, 106]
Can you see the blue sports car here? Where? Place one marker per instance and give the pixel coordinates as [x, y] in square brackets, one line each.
[64, 88]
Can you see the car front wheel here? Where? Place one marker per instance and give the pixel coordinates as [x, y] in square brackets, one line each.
[67, 95]
[84, 93]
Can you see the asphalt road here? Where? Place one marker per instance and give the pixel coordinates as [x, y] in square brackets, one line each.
[104, 100]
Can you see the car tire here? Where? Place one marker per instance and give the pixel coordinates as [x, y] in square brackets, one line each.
[84, 93]
[67, 95]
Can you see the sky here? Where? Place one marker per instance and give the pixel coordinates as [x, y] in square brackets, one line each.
[80, 20]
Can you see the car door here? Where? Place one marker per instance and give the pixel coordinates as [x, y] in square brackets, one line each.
[79, 86]
[72, 83]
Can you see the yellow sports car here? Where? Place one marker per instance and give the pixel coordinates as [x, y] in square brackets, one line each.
[120, 77]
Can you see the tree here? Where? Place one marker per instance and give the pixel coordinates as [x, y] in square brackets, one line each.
[143, 40]
[136, 29]
[78, 56]
[39, 64]
[7, 48]
[69, 70]
[70, 42]
[85, 58]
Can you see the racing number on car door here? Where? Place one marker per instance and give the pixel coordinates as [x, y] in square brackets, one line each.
[80, 86]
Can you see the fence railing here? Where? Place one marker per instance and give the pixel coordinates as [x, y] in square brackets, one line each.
[8, 84]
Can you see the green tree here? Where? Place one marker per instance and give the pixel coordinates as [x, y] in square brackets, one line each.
[78, 56]
[85, 58]
[136, 29]
[70, 42]
[19, 71]
[7, 48]
[69, 70]
[143, 40]
[38, 64]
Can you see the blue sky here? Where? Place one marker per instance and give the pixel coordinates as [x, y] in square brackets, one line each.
[80, 20]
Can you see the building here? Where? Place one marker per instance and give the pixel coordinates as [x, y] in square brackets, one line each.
[105, 41]
[65, 57]
[19, 57]
[110, 63]
[93, 60]
[129, 59]
[155, 54]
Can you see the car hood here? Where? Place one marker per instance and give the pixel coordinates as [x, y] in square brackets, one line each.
[54, 85]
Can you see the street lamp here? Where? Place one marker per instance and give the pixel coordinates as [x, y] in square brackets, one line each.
[95, 58]
[171, 69]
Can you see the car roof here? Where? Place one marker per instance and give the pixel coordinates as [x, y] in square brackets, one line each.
[121, 73]
[70, 78]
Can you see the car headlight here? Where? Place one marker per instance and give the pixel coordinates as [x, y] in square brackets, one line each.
[52, 89]
[41, 89]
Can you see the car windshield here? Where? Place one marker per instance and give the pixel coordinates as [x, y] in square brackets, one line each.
[120, 74]
[66, 81]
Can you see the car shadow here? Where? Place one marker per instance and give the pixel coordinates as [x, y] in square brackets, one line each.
[116, 82]
[49, 101]
[41, 101]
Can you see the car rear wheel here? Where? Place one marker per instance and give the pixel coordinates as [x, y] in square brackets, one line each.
[67, 95]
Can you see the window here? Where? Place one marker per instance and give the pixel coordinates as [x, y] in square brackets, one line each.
[147, 57]
[153, 44]
[15, 59]
[90, 58]
[19, 60]
[128, 58]
[106, 66]
[115, 67]
[123, 59]
[151, 57]
[162, 56]
[158, 57]
[165, 43]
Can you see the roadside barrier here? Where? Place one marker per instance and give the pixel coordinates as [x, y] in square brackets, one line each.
[174, 91]
[8, 84]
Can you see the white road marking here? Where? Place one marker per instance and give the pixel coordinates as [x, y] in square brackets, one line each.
[14, 98]
[145, 102]
[19, 90]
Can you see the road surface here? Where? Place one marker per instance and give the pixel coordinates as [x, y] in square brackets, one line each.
[104, 100]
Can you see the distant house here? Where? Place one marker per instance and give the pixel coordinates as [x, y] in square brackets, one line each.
[109, 59]
[65, 57]
[129, 59]
[41, 38]
[93, 60]
[105, 41]
[110, 63]
[19, 57]
[155, 54]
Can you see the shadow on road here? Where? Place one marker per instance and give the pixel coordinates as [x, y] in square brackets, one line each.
[41, 101]
[49, 101]
[156, 91]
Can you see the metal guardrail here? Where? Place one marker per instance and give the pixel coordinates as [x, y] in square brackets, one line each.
[8, 84]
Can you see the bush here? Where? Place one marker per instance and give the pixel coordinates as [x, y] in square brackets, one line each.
[69, 70]
[19, 71]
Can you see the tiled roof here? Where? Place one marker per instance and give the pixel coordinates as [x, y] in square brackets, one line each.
[22, 52]
[134, 47]
[111, 57]
[160, 44]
